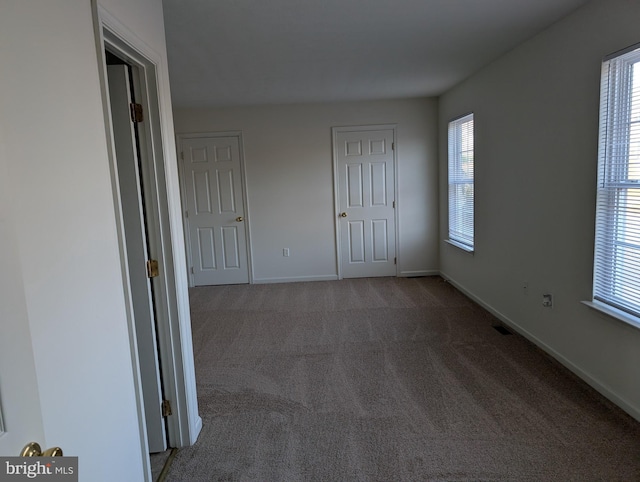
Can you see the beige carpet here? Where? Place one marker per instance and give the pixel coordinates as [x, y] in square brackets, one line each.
[387, 380]
[158, 463]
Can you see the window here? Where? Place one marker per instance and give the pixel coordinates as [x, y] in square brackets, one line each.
[617, 244]
[461, 182]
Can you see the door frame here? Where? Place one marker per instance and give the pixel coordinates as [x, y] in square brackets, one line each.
[336, 188]
[163, 211]
[180, 138]
[126, 85]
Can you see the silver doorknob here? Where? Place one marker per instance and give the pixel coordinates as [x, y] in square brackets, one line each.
[239, 219]
[343, 215]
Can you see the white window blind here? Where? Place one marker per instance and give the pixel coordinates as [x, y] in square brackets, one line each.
[461, 182]
[617, 243]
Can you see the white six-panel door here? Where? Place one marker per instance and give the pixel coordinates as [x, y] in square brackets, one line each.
[215, 212]
[137, 253]
[365, 176]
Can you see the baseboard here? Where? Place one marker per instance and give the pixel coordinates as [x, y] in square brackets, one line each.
[416, 274]
[197, 428]
[602, 388]
[295, 279]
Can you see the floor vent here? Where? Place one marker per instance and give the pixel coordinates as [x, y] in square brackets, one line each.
[502, 330]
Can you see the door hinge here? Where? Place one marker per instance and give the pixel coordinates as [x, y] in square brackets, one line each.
[152, 268]
[182, 155]
[393, 146]
[166, 408]
[395, 260]
[136, 112]
[394, 205]
[186, 214]
[192, 270]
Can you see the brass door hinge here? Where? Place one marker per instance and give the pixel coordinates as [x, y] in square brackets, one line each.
[166, 408]
[152, 268]
[136, 112]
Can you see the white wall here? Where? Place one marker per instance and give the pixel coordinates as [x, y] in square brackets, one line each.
[61, 222]
[536, 120]
[288, 157]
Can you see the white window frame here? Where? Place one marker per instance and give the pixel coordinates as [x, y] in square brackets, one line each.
[616, 271]
[460, 173]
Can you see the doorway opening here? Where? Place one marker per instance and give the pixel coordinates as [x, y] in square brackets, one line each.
[127, 118]
[147, 192]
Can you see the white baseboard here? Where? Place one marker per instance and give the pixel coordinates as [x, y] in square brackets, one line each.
[602, 388]
[415, 274]
[295, 279]
[197, 428]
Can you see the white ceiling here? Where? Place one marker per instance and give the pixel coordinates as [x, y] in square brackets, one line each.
[244, 52]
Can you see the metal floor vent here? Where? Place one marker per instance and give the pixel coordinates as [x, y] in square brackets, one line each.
[502, 330]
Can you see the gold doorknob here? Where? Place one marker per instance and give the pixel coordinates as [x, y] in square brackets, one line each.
[343, 215]
[52, 452]
[33, 449]
[239, 219]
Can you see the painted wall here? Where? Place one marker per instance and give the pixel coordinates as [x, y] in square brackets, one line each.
[58, 222]
[289, 167]
[536, 121]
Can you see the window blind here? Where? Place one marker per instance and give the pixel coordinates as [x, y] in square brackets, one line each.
[617, 241]
[461, 181]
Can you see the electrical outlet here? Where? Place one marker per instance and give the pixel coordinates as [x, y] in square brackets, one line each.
[547, 300]
[285, 252]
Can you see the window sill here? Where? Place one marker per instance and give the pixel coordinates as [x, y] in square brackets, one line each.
[614, 313]
[461, 246]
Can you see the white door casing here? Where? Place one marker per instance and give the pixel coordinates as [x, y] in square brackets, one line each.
[215, 213]
[137, 253]
[364, 172]
[164, 234]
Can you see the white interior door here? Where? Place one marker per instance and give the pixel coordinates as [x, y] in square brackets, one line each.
[215, 211]
[20, 413]
[137, 252]
[366, 202]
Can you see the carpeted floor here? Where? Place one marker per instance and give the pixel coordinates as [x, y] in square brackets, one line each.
[387, 379]
[158, 462]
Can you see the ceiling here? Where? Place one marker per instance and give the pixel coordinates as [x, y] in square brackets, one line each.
[246, 52]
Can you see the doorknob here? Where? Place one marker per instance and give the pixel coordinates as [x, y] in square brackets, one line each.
[239, 219]
[33, 449]
[343, 215]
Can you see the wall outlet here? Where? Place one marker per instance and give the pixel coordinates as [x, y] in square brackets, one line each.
[547, 300]
[285, 252]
